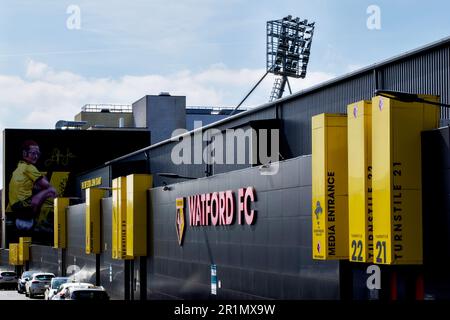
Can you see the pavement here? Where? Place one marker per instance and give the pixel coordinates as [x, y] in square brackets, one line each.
[7, 294]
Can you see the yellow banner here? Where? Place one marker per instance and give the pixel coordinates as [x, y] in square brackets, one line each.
[360, 181]
[138, 186]
[119, 218]
[329, 187]
[59, 222]
[93, 215]
[397, 179]
[14, 255]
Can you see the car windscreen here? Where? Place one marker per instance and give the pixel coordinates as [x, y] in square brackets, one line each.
[8, 274]
[56, 283]
[89, 295]
[44, 277]
[27, 274]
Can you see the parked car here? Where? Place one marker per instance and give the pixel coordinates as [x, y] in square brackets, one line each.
[94, 293]
[8, 279]
[37, 284]
[54, 286]
[60, 293]
[26, 276]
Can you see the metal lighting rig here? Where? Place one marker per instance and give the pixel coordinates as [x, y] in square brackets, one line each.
[288, 49]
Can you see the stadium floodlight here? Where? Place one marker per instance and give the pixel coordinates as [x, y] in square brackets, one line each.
[288, 50]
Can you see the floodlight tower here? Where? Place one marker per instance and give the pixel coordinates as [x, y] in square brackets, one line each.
[288, 49]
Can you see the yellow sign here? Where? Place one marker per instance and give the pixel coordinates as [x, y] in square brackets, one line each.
[24, 249]
[360, 181]
[59, 222]
[14, 255]
[396, 179]
[91, 183]
[138, 186]
[329, 187]
[93, 207]
[119, 218]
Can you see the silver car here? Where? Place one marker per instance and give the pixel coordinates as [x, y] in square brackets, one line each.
[94, 293]
[26, 276]
[53, 287]
[60, 294]
[37, 284]
[8, 279]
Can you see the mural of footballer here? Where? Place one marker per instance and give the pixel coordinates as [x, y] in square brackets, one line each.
[28, 189]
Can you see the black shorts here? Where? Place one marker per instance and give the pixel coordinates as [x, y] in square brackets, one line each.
[22, 209]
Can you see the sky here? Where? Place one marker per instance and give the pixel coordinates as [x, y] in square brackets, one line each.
[58, 55]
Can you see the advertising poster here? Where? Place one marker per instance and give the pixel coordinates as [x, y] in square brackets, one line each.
[40, 165]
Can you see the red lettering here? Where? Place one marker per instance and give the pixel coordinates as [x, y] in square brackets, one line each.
[218, 208]
[207, 208]
[249, 195]
[229, 207]
[194, 213]
[202, 209]
[222, 208]
[192, 205]
[214, 208]
[240, 204]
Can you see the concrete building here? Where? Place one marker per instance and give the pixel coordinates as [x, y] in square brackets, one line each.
[161, 114]
[104, 115]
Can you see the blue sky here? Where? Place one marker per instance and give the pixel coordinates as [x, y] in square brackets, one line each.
[210, 51]
[158, 37]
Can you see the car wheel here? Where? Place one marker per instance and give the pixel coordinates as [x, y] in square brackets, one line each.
[31, 295]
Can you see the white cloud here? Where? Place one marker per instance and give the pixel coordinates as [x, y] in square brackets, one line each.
[43, 95]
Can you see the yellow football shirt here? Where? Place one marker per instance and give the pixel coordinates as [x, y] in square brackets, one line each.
[22, 180]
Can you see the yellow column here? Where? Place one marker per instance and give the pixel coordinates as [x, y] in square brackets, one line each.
[137, 189]
[360, 181]
[119, 219]
[93, 213]
[397, 180]
[59, 222]
[329, 187]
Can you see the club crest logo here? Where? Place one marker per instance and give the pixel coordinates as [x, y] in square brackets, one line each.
[180, 220]
[318, 211]
[381, 104]
[355, 111]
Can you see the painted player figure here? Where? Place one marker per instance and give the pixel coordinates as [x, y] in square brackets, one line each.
[28, 188]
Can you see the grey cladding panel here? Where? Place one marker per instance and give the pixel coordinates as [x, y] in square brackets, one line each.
[275, 250]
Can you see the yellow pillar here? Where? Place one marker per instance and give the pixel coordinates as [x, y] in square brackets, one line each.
[329, 187]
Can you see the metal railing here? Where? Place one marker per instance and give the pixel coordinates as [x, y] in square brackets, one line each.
[103, 107]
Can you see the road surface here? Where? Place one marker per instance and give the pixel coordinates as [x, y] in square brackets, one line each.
[6, 294]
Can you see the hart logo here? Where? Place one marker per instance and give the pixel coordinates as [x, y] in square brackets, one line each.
[318, 211]
[318, 247]
[180, 220]
[355, 111]
[380, 104]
